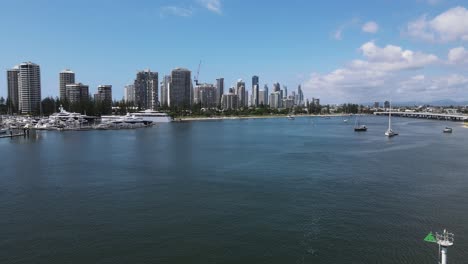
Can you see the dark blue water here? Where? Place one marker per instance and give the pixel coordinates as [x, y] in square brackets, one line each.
[308, 190]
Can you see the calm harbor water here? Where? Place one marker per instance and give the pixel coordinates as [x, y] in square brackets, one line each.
[308, 190]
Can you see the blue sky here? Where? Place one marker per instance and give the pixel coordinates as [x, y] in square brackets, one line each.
[340, 51]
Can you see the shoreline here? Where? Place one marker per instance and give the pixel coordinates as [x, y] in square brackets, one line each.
[217, 118]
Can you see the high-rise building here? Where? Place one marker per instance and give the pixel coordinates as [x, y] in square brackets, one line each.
[129, 93]
[205, 95]
[180, 90]
[13, 87]
[219, 89]
[104, 93]
[285, 91]
[240, 91]
[76, 92]
[29, 88]
[376, 105]
[165, 90]
[65, 77]
[275, 100]
[276, 87]
[146, 89]
[266, 94]
[229, 101]
[255, 91]
[300, 94]
[287, 103]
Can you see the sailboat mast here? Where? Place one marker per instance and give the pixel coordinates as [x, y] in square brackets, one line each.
[390, 118]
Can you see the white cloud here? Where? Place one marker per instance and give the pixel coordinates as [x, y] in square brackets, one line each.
[451, 25]
[212, 5]
[175, 11]
[458, 55]
[377, 76]
[370, 27]
[338, 34]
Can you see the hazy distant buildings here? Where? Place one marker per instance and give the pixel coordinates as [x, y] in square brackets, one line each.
[229, 101]
[241, 93]
[166, 82]
[276, 87]
[13, 87]
[387, 105]
[376, 105]
[65, 77]
[255, 91]
[76, 93]
[219, 89]
[29, 88]
[180, 89]
[104, 93]
[146, 90]
[129, 91]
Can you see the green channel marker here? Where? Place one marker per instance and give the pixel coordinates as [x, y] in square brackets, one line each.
[430, 238]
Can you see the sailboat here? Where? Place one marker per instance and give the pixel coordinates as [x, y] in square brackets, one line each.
[390, 132]
[358, 127]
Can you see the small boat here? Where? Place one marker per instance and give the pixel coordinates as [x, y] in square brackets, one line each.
[448, 130]
[360, 128]
[345, 121]
[3, 131]
[291, 117]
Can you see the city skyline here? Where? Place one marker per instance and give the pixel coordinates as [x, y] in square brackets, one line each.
[347, 54]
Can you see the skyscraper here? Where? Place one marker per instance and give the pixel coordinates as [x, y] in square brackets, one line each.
[276, 87]
[146, 89]
[180, 90]
[76, 92]
[65, 77]
[219, 89]
[240, 91]
[29, 88]
[266, 94]
[165, 90]
[300, 94]
[13, 87]
[255, 90]
[285, 91]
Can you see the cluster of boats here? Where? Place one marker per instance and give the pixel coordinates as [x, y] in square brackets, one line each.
[358, 127]
[64, 120]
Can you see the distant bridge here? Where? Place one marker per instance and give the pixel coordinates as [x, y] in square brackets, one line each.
[427, 115]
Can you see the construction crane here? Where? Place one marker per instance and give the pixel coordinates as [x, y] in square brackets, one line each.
[198, 73]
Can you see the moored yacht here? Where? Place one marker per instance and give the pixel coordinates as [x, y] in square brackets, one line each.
[153, 116]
